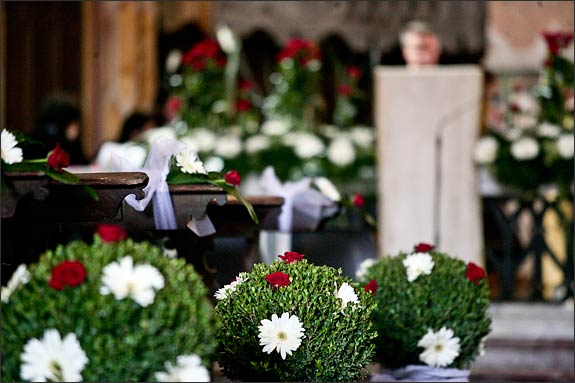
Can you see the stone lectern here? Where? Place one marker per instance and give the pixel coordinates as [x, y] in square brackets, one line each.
[427, 122]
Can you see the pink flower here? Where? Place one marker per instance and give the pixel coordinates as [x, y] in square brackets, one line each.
[371, 287]
[291, 256]
[233, 178]
[423, 247]
[67, 273]
[474, 273]
[278, 279]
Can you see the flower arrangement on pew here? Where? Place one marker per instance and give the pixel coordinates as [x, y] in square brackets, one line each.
[536, 148]
[114, 310]
[431, 314]
[294, 321]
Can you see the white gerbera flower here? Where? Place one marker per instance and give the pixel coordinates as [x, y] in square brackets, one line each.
[189, 162]
[363, 267]
[20, 277]
[341, 151]
[11, 154]
[257, 143]
[52, 358]
[347, 295]
[281, 334]
[525, 148]
[228, 146]
[228, 289]
[418, 264]
[486, 150]
[188, 368]
[125, 280]
[327, 188]
[363, 136]
[565, 146]
[548, 130]
[441, 348]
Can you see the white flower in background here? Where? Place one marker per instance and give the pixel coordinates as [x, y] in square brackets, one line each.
[525, 148]
[341, 151]
[125, 280]
[20, 277]
[363, 136]
[418, 264]
[486, 150]
[189, 162]
[327, 188]
[568, 122]
[173, 61]
[170, 253]
[226, 39]
[513, 134]
[330, 131]
[191, 143]
[188, 368]
[205, 139]
[53, 359]
[152, 135]
[214, 164]
[228, 146]
[441, 348]
[347, 295]
[11, 154]
[548, 130]
[525, 101]
[228, 289]
[570, 103]
[219, 106]
[565, 146]
[524, 121]
[481, 348]
[281, 334]
[276, 127]
[306, 145]
[363, 267]
[257, 143]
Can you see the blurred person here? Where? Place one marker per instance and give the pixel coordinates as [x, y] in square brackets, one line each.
[420, 46]
[135, 124]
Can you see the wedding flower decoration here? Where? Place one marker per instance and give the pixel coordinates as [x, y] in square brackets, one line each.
[59, 327]
[20, 276]
[228, 289]
[447, 309]
[363, 267]
[11, 153]
[274, 333]
[189, 162]
[111, 232]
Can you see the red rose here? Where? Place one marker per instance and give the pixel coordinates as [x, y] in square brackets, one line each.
[301, 50]
[423, 247]
[344, 90]
[353, 72]
[278, 279]
[474, 273]
[233, 178]
[58, 158]
[67, 273]
[111, 233]
[358, 200]
[207, 49]
[557, 40]
[291, 256]
[243, 105]
[371, 287]
[245, 85]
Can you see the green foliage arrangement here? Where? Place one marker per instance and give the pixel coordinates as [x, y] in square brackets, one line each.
[449, 295]
[123, 339]
[328, 338]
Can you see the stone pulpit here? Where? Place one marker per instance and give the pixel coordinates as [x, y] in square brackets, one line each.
[427, 122]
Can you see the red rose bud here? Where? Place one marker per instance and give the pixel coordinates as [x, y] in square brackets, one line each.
[474, 273]
[344, 90]
[111, 233]
[423, 248]
[233, 178]
[353, 72]
[67, 273]
[371, 287]
[58, 158]
[358, 200]
[291, 256]
[278, 279]
[243, 105]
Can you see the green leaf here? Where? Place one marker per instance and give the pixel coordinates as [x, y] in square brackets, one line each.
[63, 176]
[236, 193]
[91, 192]
[25, 166]
[179, 178]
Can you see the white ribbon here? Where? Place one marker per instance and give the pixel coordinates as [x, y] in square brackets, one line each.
[417, 373]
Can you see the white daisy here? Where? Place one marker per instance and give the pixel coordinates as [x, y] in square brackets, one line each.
[124, 280]
[189, 162]
[21, 276]
[441, 348]
[363, 267]
[52, 358]
[341, 151]
[11, 154]
[347, 295]
[486, 150]
[565, 146]
[417, 264]
[188, 368]
[327, 188]
[281, 334]
[228, 289]
[525, 148]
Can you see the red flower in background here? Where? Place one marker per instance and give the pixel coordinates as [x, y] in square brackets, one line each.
[474, 273]
[423, 247]
[67, 273]
[203, 51]
[173, 106]
[300, 50]
[233, 178]
[371, 287]
[58, 158]
[291, 256]
[278, 279]
[353, 72]
[245, 85]
[358, 200]
[557, 40]
[344, 90]
[243, 105]
[111, 233]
